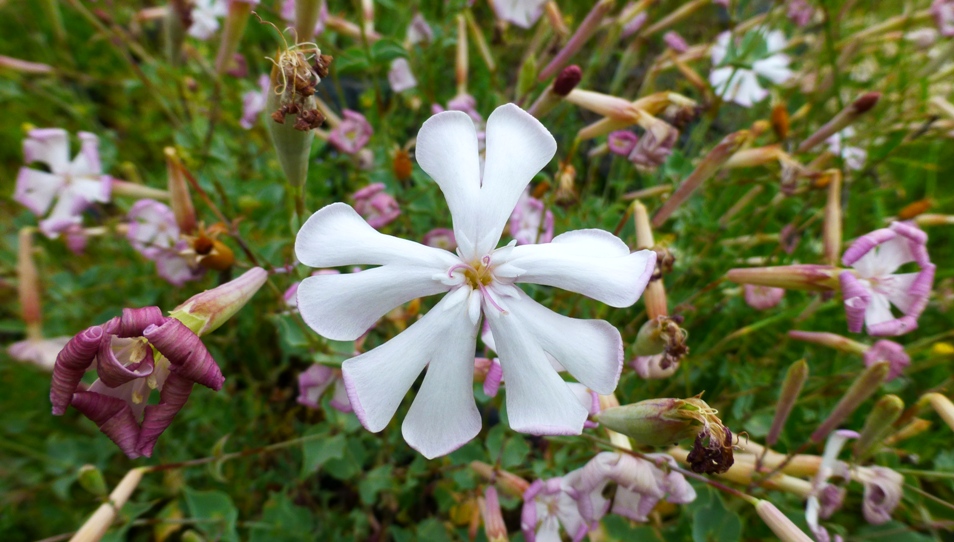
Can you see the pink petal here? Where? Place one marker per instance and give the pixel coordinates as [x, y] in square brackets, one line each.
[71, 363]
[50, 146]
[865, 244]
[134, 321]
[857, 298]
[113, 417]
[188, 356]
[175, 392]
[36, 190]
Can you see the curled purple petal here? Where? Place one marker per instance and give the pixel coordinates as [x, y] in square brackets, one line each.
[893, 328]
[71, 363]
[112, 371]
[113, 417]
[621, 142]
[175, 392]
[186, 353]
[856, 298]
[134, 321]
[865, 243]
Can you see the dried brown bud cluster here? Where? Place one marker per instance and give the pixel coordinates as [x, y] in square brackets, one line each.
[662, 335]
[712, 451]
[297, 79]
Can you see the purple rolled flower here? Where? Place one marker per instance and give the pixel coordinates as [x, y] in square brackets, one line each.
[891, 352]
[315, 381]
[376, 206]
[762, 297]
[873, 287]
[675, 42]
[122, 352]
[943, 13]
[352, 134]
[826, 498]
[882, 493]
[530, 222]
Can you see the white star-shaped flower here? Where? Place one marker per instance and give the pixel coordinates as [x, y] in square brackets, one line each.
[479, 279]
[741, 84]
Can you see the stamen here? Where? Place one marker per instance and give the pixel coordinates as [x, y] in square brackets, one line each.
[487, 296]
[450, 272]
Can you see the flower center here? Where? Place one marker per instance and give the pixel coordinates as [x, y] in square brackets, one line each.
[479, 276]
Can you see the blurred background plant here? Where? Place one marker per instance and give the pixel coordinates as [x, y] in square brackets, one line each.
[722, 134]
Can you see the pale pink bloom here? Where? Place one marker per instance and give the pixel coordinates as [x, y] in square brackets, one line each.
[891, 352]
[655, 367]
[76, 238]
[646, 151]
[943, 12]
[854, 157]
[799, 12]
[122, 352]
[154, 233]
[400, 77]
[640, 486]
[288, 14]
[548, 505]
[529, 223]
[40, 352]
[675, 42]
[621, 142]
[762, 297]
[873, 287]
[741, 85]
[352, 134]
[479, 279]
[634, 24]
[313, 383]
[419, 31]
[205, 17]
[882, 493]
[253, 103]
[291, 296]
[522, 13]
[440, 238]
[375, 205]
[75, 184]
[827, 498]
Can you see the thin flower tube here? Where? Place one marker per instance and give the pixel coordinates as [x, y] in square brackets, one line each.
[478, 279]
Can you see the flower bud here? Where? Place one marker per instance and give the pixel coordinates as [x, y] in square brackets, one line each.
[181, 202]
[861, 389]
[879, 423]
[205, 312]
[91, 479]
[583, 33]
[28, 286]
[293, 146]
[235, 23]
[795, 378]
[842, 120]
[494, 526]
[810, 277]
[514, 485]
[943, 406]
[783, 527]
[654, 422]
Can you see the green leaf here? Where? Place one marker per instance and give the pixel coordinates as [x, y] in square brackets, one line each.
[385, 50]
[283, 522]
[217, 509]
[351, 60]
[320, 451]
[375, 481]
[433, 531]
[712, 522]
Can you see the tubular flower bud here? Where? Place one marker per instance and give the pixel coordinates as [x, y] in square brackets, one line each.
[583, 33]
[783, 527]
[813, 278]
[564, 83]
[861, 389]
[878, 425]
[943, 406]
[494, 526]
[795, 378]
[181, 199]
[235, 23]
[843, 119]
[508, 482]
[91, 479]
[205, 312]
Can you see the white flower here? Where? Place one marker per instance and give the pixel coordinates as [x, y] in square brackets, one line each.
[480, 278]
[205, 17]
[740, 84]
[854, 157]
[522, 13]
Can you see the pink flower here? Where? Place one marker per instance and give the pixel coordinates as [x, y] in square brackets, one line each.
[38, 351]
[400, 77]
[622, 142]
[376, 206]
[522, 13]
[352, 134]
[873, 287]
[75, 185]
[419, 31]
[800, 12]
[528, 222]
[313, 383]
[154, 233]
[943, 12]
[891, 352]
[253, 103]
[882, 493]
[441, 238]
[762, 297]
[675, 42]
[122, 352]
[205, 17]
[646, 151]
[826, 498]
[548, 505]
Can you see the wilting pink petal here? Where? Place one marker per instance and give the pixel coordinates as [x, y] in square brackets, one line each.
[882, 493]
[400, 76]
[492, 381]
[253, 103]
[113, 417]
[134, 321]
[375, 205]
[173, 396]
[419, 31]
[891, 352]
[352, 134]
[622, 142]
[762, 297]
[530, 222]
[650, 152]
[71, 364]
[312, 383]
[857, 299]
[40, 352]
[185, 351]
[655, 367]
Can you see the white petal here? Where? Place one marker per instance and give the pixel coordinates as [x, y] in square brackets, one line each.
[522, 13]
[36, 189]
[86, 163]
[887, 257]
[774, 68]
[378, 380]
[538, 401]
[336, 235]
[92, 189]
[447, 151]
[879, 310]
[591, 350]
[444, 416]
[775, 41]
[720, 48]
[518, 147]
[594, 263]
[898, 289]
[50, 146]
[746, 89]
[343, 307]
